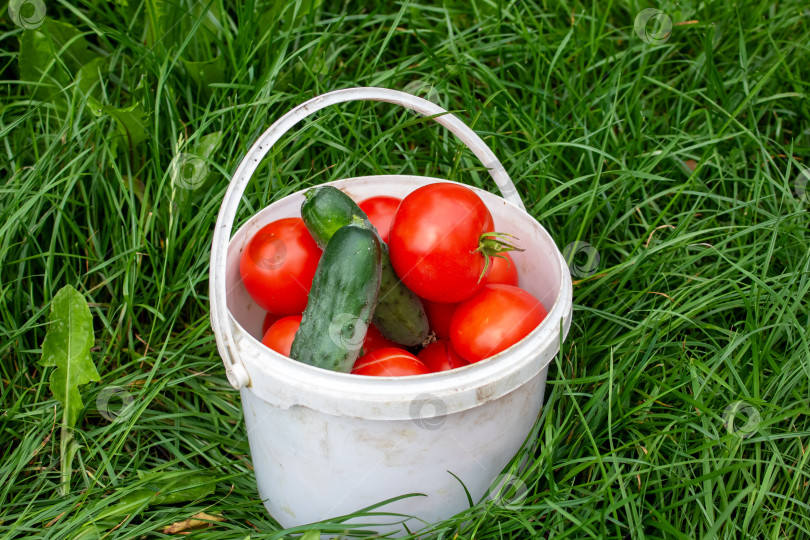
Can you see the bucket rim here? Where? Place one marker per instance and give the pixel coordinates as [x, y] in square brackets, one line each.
[480, 382]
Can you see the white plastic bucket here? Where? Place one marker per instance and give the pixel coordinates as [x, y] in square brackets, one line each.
[327, 444]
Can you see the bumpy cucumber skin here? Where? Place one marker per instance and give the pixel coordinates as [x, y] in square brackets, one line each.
[343, 295]
[399, 315]
[327, 209]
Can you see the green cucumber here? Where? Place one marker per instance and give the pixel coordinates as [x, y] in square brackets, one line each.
[344, 292]
[399, 314]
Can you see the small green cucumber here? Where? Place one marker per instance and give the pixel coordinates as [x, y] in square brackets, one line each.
[325, 210]
[399, 314]
[343, 295]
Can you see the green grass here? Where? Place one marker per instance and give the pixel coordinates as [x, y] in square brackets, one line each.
[678, 162]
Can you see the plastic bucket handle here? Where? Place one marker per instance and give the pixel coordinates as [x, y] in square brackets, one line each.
[234, 369]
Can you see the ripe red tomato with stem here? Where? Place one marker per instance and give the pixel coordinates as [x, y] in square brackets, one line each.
[439, 316]
[503, 271]
[440, 356]
[278, 264]
[391, 362]
[380, 211]
[494, 319]
[442, 242]
[281, 334]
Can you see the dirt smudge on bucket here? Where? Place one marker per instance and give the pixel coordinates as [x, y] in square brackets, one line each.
[388, 445]
[483, 394]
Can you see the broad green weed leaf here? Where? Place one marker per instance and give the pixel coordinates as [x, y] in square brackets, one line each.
[205, 73]
[53, 53]
[172, 487]
[131, 121]
[89, 78]
[67, 347]
[39, 69]
[68, 44]
[51, 56]
[162, 487]
[156, 17]
[311, 535]
[206, 145]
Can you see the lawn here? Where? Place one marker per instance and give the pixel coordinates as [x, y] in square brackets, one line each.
[670, 163]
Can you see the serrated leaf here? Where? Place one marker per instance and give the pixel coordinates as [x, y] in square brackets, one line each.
[173, 487]
[157, 18]
[67, 347]
[130, 121]
[160, 487]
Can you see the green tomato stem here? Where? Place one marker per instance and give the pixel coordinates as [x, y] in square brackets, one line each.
[492, 244]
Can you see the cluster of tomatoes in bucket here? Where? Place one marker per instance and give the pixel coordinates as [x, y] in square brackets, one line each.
[389, 287]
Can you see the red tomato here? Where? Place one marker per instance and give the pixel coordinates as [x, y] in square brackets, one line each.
[496, 318]
[434, 241]
[390, 362]
[375, 340]
[502, 271]
[278, 264]
[440, 356]
[269, 319]
[281, 334]
[439, 316]
[380, 212]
